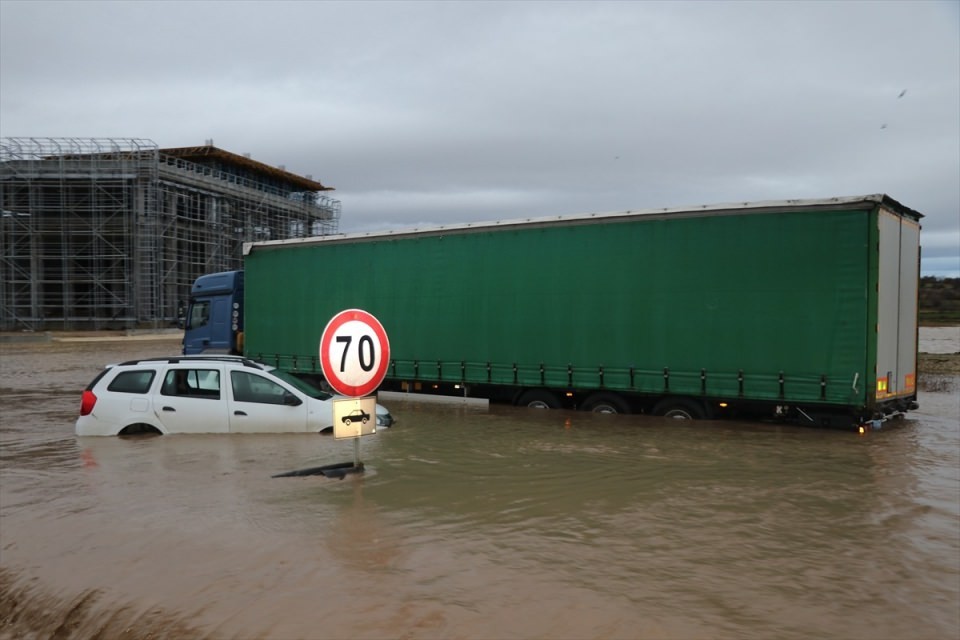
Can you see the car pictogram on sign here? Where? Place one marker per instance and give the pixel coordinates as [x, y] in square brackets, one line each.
[357, 415]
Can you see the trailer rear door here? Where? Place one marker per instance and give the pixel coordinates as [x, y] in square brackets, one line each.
[899, 266]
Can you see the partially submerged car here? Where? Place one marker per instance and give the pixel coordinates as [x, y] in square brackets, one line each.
[204, 394]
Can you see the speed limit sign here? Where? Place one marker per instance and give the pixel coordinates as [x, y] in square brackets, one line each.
[354, 353]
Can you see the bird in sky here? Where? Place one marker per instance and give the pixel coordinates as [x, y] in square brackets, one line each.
[902, 93]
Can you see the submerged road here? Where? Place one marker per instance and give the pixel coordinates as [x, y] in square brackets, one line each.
[470, 523]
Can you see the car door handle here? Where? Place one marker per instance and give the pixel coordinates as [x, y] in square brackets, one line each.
[239, 413]
[169, 409]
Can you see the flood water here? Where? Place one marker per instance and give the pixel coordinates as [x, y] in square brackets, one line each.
[501, 523]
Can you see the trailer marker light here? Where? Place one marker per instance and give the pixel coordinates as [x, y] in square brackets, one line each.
[569, 394]
[910, 382]
[723, 405]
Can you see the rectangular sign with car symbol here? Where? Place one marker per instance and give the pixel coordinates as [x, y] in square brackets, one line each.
[354, 417]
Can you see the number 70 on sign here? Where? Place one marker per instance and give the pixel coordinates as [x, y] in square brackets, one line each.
[354, 353]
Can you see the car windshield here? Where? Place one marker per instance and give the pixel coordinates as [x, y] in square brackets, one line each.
[301, 385]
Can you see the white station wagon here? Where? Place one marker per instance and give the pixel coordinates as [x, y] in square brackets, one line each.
[203, 394]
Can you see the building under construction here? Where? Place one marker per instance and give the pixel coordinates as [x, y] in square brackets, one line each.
[111, 233]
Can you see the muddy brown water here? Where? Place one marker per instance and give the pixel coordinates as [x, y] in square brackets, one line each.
[505, 523]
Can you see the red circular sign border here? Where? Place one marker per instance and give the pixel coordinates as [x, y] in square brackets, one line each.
[348, 315]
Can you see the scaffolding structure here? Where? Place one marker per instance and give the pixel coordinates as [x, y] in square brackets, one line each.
[110, 233]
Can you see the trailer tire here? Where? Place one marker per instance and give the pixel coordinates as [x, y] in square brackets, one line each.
[539, 399]
[606, 403]
[679, 409]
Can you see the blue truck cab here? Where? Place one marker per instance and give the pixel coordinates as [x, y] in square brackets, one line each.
[214, 322]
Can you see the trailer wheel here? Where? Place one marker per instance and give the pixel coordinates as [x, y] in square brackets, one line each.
[679, 409]
[539, 399]
[605, 403]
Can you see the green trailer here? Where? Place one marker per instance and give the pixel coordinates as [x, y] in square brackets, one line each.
[801, 310]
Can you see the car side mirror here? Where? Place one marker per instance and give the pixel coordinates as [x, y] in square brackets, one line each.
[291, 400]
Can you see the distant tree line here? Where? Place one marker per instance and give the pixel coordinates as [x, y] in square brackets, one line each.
[939, 300]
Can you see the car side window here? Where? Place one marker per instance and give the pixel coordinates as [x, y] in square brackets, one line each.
[193, 383]
[132, 381]
[249, 387]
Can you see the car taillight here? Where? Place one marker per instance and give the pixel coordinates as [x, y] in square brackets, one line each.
[87, 402]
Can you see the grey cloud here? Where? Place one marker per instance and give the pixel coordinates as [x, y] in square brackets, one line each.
[425, 113]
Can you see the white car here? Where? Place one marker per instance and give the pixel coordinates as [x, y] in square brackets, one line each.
[203, 394]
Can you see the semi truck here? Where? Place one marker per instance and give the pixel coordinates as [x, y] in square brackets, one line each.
[799, 310]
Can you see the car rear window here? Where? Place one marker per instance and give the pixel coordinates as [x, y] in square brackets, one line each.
[132, 381]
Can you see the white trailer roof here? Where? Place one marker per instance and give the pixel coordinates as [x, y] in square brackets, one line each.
[765, 206]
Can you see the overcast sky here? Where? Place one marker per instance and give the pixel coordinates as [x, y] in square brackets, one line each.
[425, 113]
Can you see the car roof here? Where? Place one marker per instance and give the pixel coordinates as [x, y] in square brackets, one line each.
[192, 359]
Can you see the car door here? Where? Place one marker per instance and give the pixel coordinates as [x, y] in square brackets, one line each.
[258, 404]
[191, 399]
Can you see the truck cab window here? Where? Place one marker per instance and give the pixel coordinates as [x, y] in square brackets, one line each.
[199, 314]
